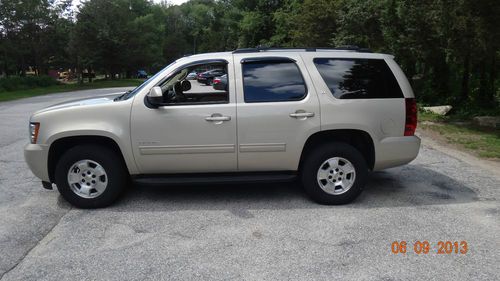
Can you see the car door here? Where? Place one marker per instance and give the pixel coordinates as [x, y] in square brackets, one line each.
[277, 109]
[187, 137]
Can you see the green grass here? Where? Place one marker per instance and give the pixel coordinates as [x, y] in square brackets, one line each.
[428, 116]
[484, 142]
[12, 95]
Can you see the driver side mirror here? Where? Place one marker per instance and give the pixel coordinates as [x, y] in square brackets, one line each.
[155, 97]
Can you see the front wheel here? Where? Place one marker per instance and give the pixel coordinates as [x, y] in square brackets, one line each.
[90, 176]
[334, 174]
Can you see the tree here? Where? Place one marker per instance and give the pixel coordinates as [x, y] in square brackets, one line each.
[448, 49]
[117, 36]
[33, 33]
[359, 24]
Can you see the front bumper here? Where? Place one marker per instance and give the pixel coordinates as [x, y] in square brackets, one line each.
[396, 151]
[36, 156]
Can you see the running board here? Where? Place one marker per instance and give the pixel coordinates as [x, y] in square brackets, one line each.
[219, 178]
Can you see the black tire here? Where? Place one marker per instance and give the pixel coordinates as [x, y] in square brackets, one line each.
[117, 175]
[315, 159]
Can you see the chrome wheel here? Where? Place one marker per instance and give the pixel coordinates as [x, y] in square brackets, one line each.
[336, 175]
[87, 179]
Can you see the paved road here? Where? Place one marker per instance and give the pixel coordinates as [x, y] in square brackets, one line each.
[250, 232]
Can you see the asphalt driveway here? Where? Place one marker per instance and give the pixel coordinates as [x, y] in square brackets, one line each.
[247, 232]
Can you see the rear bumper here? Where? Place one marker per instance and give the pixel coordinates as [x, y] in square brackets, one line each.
[36, 156]
[396, 151]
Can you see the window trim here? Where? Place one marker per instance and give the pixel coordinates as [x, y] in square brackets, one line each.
[193, 63]
[189, 64]
[272, 60]
[267, 59]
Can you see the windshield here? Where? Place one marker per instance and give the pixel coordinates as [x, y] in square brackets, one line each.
[131, 93]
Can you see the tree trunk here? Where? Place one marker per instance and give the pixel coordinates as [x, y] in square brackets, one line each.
[22, 71]
[483, 84]
[464, 96]
[492, 77]
[79, 75]
[6, 67]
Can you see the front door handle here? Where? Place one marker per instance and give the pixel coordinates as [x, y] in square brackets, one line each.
[217, 118]
[301, 114]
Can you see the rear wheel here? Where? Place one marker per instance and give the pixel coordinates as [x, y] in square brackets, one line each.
[334, 174]
[90, 176]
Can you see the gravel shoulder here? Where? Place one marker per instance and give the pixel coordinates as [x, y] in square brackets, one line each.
[432, 139]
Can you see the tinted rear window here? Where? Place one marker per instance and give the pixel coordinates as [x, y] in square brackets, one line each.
[358, 78]
[272, 82]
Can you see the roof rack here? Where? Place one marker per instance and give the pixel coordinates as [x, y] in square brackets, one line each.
[257, 49]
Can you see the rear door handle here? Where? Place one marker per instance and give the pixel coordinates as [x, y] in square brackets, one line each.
[302, 114]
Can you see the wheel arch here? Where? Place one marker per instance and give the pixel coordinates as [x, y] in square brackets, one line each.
[359, 139]
[61, 145]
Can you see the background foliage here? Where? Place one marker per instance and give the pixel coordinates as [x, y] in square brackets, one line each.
[449, 49]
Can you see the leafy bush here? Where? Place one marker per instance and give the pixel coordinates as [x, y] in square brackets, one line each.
[28, 82]
[468, 111]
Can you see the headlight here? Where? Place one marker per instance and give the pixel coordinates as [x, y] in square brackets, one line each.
[34, 131]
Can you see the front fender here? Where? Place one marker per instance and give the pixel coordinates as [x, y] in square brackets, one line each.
[122, 140]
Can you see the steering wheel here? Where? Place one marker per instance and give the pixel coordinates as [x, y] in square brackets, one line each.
[178, 94]
[173, 94]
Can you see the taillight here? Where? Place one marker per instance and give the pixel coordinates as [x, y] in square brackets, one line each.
[411, 116]
[216, 81]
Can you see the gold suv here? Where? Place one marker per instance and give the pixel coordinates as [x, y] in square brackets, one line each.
[326, 116]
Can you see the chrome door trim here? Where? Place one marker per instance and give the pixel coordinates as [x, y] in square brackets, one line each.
[263, 147]
[187, 149]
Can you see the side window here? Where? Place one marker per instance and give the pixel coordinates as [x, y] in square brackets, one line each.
[358, 78]
[272, 81]
[197, 84]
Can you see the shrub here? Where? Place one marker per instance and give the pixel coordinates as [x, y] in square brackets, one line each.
[28, 82]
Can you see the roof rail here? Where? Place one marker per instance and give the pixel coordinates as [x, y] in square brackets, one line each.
[353, 48]
[257, 49]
